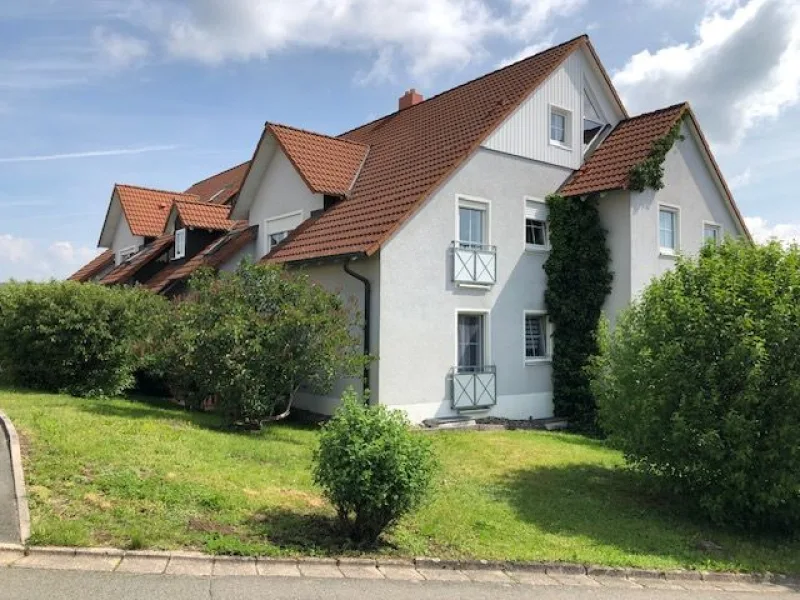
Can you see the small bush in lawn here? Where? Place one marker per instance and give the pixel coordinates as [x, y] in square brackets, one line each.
[372, 467]
[699, 383]
[83, 339]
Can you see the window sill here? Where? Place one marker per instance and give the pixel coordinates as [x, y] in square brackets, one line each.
[666, 253]
[536, 249]
[556, 144]
[474, 286]
[532, 362]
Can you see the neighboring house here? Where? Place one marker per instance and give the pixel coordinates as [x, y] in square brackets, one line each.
[434, 218]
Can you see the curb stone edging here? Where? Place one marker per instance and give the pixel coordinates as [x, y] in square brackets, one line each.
[416, 564]
[23, 514]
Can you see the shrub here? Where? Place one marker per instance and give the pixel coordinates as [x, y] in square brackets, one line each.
[83, 339]
[252, 337]
[371, 467]
[699, 383]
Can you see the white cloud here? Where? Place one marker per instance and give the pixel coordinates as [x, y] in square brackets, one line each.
[23, 259]
[87, 154]
[525, 52]
[425, 36]
[741, 180]
[742, 66]
[119, 51]
[763, 231]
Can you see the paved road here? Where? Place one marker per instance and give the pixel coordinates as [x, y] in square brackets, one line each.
[36, 584]
[9, 522]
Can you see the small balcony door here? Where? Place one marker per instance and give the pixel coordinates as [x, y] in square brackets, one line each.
[473, 382]
[471, 227]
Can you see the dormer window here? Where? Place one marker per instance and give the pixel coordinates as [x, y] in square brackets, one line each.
[126, 254]
[593, 121]
[560, 130]
[180, 243]
[276, 238]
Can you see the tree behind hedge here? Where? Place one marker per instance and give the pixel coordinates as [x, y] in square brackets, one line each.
[82, 339]
[250, 339]
[699, 383]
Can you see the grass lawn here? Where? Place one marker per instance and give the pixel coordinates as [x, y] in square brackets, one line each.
[130, 474]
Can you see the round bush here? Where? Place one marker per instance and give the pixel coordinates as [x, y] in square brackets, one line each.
[82, 339]
[372, 467]
[699, 383]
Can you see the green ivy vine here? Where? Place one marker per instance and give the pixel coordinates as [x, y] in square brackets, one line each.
[578, 280]
[650, 172]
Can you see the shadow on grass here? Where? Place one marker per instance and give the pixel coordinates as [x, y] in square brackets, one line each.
[617, 507]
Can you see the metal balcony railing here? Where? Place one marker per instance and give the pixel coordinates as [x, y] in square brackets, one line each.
[473, 388]
[474, 264]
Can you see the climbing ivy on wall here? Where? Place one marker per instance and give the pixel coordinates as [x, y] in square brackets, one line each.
[650, 172]
[578, 281]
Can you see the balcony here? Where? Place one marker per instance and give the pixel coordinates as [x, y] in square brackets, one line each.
[473, 388]
[474, 264]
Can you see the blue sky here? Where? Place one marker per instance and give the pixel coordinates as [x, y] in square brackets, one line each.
[162, 94]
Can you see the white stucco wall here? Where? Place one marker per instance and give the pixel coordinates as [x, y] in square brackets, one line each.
[419, 302]
[689, 185]
[282, 191]
[527, 131]
[333, 278]
[615, 215]
[123, 238]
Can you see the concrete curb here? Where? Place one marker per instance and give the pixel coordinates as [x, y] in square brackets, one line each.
[19, 479]
[204, 565]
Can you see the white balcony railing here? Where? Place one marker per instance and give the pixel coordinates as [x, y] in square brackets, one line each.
[473, 388]
[474, 264]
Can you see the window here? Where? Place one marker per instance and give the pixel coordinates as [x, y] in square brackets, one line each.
[593, 122]
[276, 238]
[536, 233]
[668, 229]
[559, 126]
[473, 225]
[180, 243]
[471, 340]
[126, 254]
[536, 345]
[712, 232]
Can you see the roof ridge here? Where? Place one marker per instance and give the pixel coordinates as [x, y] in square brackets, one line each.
[583, 36]
[202, 202]
[151, 189]
[218, 174]
[684, 105]
[317, 134]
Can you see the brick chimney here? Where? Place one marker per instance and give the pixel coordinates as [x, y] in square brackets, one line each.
[410, 98]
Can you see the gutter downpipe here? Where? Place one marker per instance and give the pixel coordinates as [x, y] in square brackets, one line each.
[367, 319]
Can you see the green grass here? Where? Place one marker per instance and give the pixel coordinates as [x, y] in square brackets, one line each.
[130, 474]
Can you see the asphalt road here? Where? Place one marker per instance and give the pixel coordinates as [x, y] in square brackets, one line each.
[9, 522]
[35, 584]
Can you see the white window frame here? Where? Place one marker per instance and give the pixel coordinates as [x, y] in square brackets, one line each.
[487, 333]
[126, 253]
[568, 126]
[712, 225]
[675, 210]
[535, 247]
[180, 244]
[267, 232]
[548, 337]
[475, 203]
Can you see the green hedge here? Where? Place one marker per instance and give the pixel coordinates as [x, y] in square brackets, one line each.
[82, 339]
[699, 383]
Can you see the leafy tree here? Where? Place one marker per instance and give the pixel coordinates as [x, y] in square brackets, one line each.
[372, 467]
[83, 339]
[249, 339]
[699, 383]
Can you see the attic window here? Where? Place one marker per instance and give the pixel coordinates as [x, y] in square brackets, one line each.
[180, 244]
[593, 121]
[126, 254]
[560, 131]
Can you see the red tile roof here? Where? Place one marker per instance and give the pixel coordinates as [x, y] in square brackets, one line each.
[222, 187]
[98, 264]
[203, 215]
[123, 272]
[146, 210]
[412, 151]
[626, 146]
[213, 256]
[328, 165]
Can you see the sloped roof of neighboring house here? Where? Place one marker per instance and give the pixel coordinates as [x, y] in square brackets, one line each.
[212, 255]
[222, 187]
[124, 271]
[146, 210]
[203, 215]
[414, 150]
[327, 164]
[627, 145]
[93, 267]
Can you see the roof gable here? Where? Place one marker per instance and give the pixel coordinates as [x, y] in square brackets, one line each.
[414, 150]
[147, 210]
